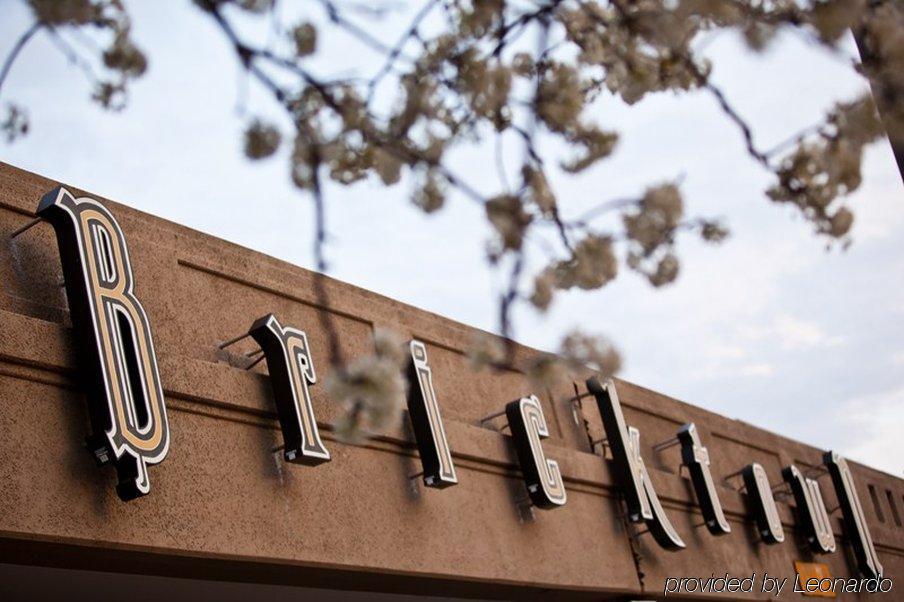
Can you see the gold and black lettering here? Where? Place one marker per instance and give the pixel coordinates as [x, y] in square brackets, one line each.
[423, 408]
[541, 475]
[630, 469]
[759, 491]
[854, 519]
[811, 510]
[291, 370]
[696, 458]
[126, 403]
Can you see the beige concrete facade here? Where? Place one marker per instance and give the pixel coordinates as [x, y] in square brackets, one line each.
[223, 505]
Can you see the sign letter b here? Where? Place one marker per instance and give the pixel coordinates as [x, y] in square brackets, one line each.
[125, 398]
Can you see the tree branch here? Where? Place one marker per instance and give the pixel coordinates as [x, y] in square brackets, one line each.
[16, 49]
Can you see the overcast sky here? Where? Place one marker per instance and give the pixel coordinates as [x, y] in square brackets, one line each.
[769, 328]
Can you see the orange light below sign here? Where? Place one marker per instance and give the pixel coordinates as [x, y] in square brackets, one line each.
[813, 570]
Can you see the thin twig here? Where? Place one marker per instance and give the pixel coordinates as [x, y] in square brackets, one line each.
[72, 55]
[336, 17]
[583, 220]
[505, 305]
[397, 49]
[325, 315]
[746, 131]
[16, 49]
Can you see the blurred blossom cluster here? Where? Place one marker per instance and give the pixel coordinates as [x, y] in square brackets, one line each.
[827, 167]
[578, 354]
[372, 388]
[528, 70]
[122, 60]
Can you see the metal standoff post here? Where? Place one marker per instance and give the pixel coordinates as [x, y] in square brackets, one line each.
[727, 479]
[816, 472]
[231, 342]
[255, 362]
[736, 473]
[26, 227]
[781, 490]
[663, 445]
[257, 352]
[641, 533]
[525, 509]
[524, 502]
[492, 416]
[574, 401]
[602, 440]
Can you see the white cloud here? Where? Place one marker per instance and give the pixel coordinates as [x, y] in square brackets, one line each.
[797, 333]
[761, 369]
[767, 307]
[877, 215]
[877, 421]
[729, 369]
[791, 333]
[747, 349]
[721, 350]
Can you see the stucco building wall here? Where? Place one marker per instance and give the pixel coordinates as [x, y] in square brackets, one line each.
[224, 505]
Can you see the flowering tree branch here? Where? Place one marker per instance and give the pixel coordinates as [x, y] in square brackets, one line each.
[466, 71]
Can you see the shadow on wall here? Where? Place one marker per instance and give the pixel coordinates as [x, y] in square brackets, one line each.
[19, 583]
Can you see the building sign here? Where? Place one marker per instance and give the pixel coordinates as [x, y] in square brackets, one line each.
[759, 492]
[696, 458]
[436, 457]
[630, 470]
[811, 510]
[541, 476]
[292, 374]
[854, 521]
[125, 398]
[809, 572]
[129, 426]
